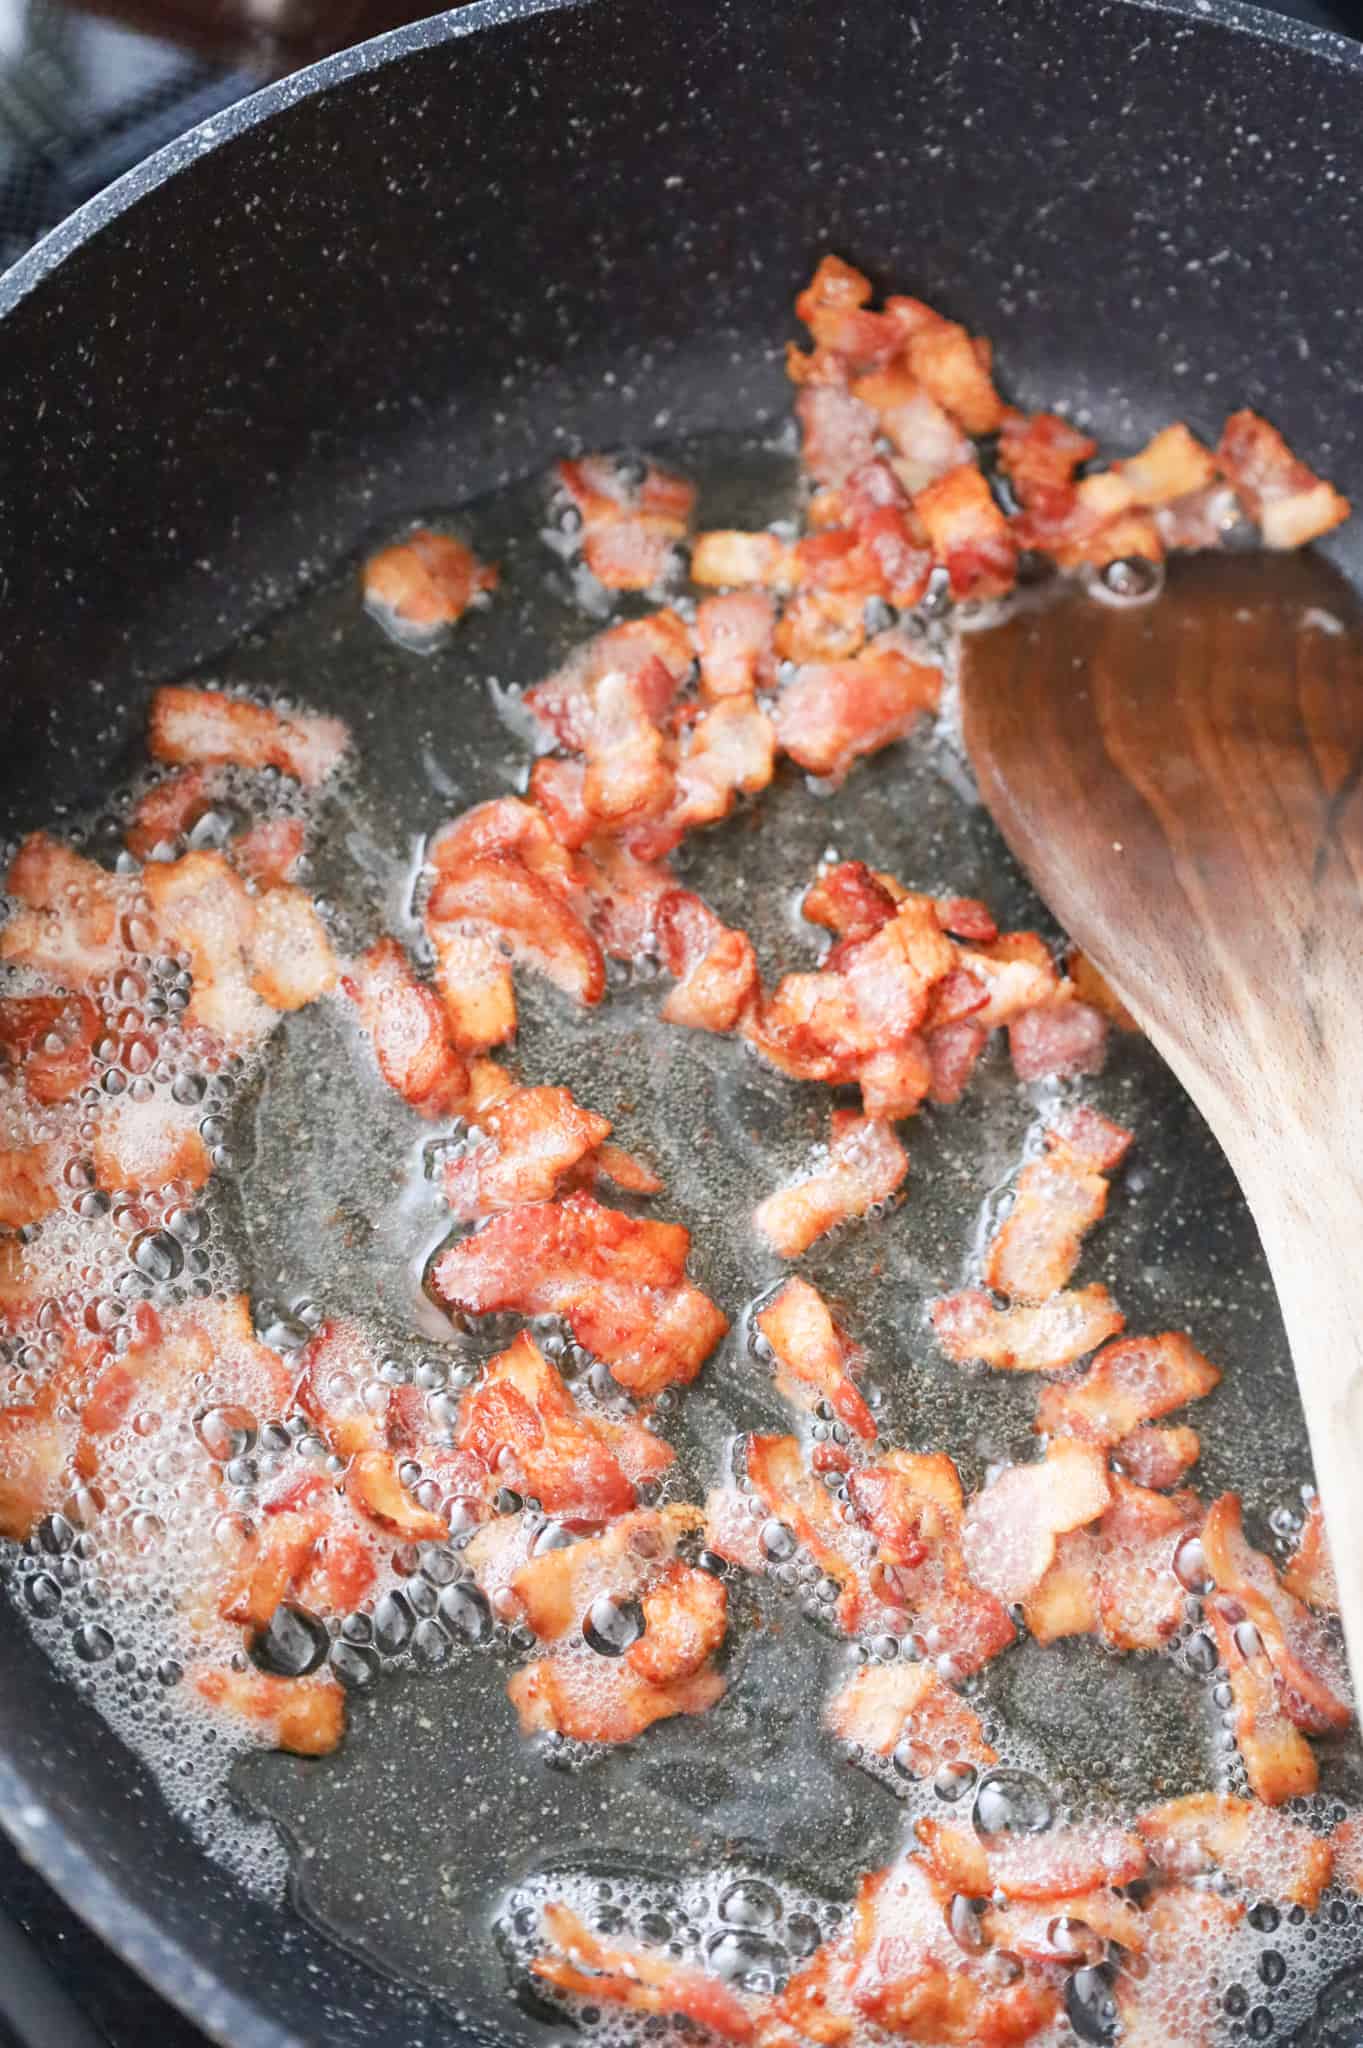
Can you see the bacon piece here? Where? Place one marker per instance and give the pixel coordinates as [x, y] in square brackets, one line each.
[270, 1568]
[1277, 1757]
[35, 1445]
[1133, 1380]
[653, 653]
[630, 523]
[685, 1612]
[834, 712]
[926, 438]
[407, 1028]
[1063, 1863]
[560, 1694]
[728, 749]
[68, 923]
[194, 727]
[968, 534]
[1310, 1571]
[1158, 1457]
[268, 852]
[643, 1981]
[292, 963]
[821, 625]
[202, 906]
[1139, 1598]
[627, 1171]
[864, 1165]
[894, 1083]
[849, 899]
[1315, 1685]
[953, 1052]
[913, 1507]
[1058, 1200]
[838, 433]
[420, 585]
[50, 1039]
[303, 1715]
[1043, 1936]
[619, 1281]
[735, 561]
[163, 814]
[146, 1144]
[474, 982]
[1058, 1041]
[1172, 465]
[1187, 1933]
[884, 1706]
[500, 894]
[373, 1484]
[715, 966]
[1010, 1530]
[555, 1588]
[1044, 1338]
[777, 1473]
[1017, 972]
[1264, 1852]
[1065, 1602]
[813, 1357]
[1093, 988]
[952, 365]
[522, 1424]
[734, 641]
[1291, 504]
[531, 1139]
[1039, 453]
[1347, 1845]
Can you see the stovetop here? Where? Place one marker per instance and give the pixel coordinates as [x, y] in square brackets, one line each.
[82, 101]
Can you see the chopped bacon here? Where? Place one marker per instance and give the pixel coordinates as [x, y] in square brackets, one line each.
[927, 440]
[1172, 465]
[1131, 1381]
[554, 1589]
[1042, 1338]
[1291, 504]
[953, 1053]
[207, 728]
[848, 899]
[1010, 1530]
[268, 852]
[968, 533]
[715, 966]
[203, 907]
[1094, 989]
[646, 1982]
[272, 1563]
[1071, 1937]
[1017, 973]
[50, 1039]
[420, 585]
[952, 365]
[373, 1484]
[530, 1140]
[1278, 1760]
[630, 524]
[68, 923]
[1264, 1852]
[619, 1281]
[834, 712]
[864, 1165]
[165, 813]
[1039, 453]
[812, 1356]
[292, 963]
[561, 1694]
[838, 432]
[1310, 1571]
[303, 1715]
[912, 1505]
[1158, 1457]
[778, 1475]
[1058, 1201]
[147, 1144]
[1140, 1601]
[1060, 1864]
[885, 1705]
[627, 1171]
[730, 560]
[728, 749]
[1315, 1684]
[407, 1027]
[821, 625]
[474, 982]
[1058, 1040]
[653, 653]
[1183, 1970]
[734, 642]
[501, 895]
[685, 1612]
[35, 1444]
[29, 1185]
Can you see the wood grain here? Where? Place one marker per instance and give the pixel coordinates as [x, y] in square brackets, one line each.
[1183, 781]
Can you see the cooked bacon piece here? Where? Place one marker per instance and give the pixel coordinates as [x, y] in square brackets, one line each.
[849, 899]
[407, 1028]
[1010, 1531]
[194, 727]
[685, 1613]
[373, 1484]
[1291, 504]
[715, 966]
[926, 438]
[562, 1694]
[884, 1706]
[50, 1039]
[1069, 1938]
[953, 1052]
[1017, 973]
[273, 1562]
[1277, 1757]
[778, 1475]
[729, 748]
[812, 1356]
[731, 560]
[1315, 1684]
[1172, 465]
[1310, 1571]
[734, 642]
[1094, 989]
[627, 1171]
[268, 852]
[1158, 1457]
[555, 1589]
[165, 813]
[879, 548]
[654, 653]
[505, 825]
[1264, 1852]
[821, 625]
[1058, 1040]
[644, 1981]
[1184, 1973]
[968, 534]
[29, 1184]
[1062, 1863]
[1133, 1380]
[68, 923]
[619, 1281]
[303, 1715]
[1139, 1597]
[864, 1165]
[523, 1426]
[202, 906]
[1039, 453]
[1058, 1200]
[894, 1083]
[474, 982]
[951, 365]
[1044, 1338]
[35, 1444]
[1065, 1602]
[912, 1505]
[834, 712]
[838, 433]
[630, 522]
[147, 1144]
[292, 963]
[420, 585]
[501, 895]
[531, 1139]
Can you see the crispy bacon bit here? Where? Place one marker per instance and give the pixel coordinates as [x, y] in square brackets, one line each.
[268, 852]
[1010, 1530]
[1140, 1599]
[627, 1171]
[1061, 1864]
[715, 966]
[734, 561]
[630, 522]
[644, 1981]
[562, 1695]
[951, 365]
[303, 1715]
[203, 906]
[1277, 1757]
[147, 1144]
[849, 899]
[474, 982]
[1315, 1685]
[207, 728]
[685, 1612]
[292, 963]
[619, 1281]
[1039, 453]
[270, 1568]
[530, 1140]
[374, 1486]
[1058, 1200]
[885, 1706]
[838, 433]
[500, 895]
[821, 625]
[1264, 1852]
[1134, 1380]
[1158, 1457]
[777, 1473]
[953, 1053]
[423, 584]
[1290, 502]
[1058, 1040]
[1066, 1939]
[968, 534]
[865, 1165]
[834, 712]
[1187, 1930]
[35, 1445]
[734, 642]
[1044, 1338]
[1094, 989]
[926, 438]
[163, 815]
[652, 653]
[1310, 1571]
[813, 1357]
[50, 1039]
[912, 1506]
[1172, 465]
[407, 1027]
[555, 1588]
[68, 921]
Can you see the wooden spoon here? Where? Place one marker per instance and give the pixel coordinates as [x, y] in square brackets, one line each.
[1183, 781]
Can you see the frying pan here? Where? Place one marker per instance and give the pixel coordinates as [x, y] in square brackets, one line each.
[406, 279]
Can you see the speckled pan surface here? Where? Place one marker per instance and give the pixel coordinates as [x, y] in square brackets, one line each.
[411, 275]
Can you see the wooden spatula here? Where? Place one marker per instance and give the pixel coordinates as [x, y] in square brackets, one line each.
[1181, 778]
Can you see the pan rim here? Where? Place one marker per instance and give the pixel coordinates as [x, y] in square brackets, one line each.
[53, 1851]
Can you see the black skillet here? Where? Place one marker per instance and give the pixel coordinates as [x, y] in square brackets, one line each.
[394, 281]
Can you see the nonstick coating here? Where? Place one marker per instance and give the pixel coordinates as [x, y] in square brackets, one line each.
[405, 277]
